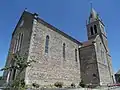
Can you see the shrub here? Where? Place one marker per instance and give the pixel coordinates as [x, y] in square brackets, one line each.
[82, 84]
[58, 84]
[72, 84]
[35, 85]
[0, 77]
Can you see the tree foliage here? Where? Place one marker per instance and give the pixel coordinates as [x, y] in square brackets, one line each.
[20, 64]
[82, 84]
[0, 77]
[58, 84]
[72, 85]
[35, 85]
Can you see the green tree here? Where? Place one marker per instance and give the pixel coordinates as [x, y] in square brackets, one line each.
[20, 63]
[58, 84]
[82, 84]
[0, 77]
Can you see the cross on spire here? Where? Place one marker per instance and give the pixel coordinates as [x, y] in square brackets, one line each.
[91, 4]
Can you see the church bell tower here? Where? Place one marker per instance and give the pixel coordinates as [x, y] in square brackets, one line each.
[95, 26]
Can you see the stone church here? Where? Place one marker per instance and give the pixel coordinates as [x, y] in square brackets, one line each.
[59, 57]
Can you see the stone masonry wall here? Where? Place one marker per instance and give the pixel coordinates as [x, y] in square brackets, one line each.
[102, 60]
[52, 67]
[24, 29]
[89, 69]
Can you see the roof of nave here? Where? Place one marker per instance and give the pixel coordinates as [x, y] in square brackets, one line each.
[87, 43]
[54, 28]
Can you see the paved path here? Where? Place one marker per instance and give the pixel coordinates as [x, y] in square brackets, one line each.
[117, 88]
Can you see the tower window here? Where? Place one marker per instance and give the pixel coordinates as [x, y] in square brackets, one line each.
[64, 50]
[91, 28]
[76, 55]
[47, 44]
[95, 28]
[91, 16]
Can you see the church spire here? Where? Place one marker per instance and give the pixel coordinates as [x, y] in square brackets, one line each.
[93, 15]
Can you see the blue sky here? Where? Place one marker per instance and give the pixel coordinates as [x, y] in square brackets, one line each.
[68, 15]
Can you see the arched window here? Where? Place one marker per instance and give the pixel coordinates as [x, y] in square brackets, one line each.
[20, 41]
[17, 43]
[8, 76]
[47, 44]
[14, 47]
[64, 50]
[95, 29]
[13, 71]
[76, 55]
[91, 29]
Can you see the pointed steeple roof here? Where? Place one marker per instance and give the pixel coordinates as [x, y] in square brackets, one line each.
[93, 16]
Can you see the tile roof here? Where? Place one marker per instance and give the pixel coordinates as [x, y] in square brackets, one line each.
[87, 43]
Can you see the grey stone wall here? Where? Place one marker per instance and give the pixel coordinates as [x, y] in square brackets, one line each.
[94, 61]
[25, 29]
[103, 60]
[112, 76]
[52, 67]
[89, 69]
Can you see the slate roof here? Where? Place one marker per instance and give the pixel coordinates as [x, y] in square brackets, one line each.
[54, 28]
[49, 26]
[57, 30]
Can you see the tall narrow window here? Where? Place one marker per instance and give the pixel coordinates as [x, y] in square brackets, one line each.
[8, 76]
[13, 71]
[14, 74]
[95, 29]
[47, 44]
[76, 55]
[17, 43]
[14, 47]
[64, 50]
[18, 46]
[20, 41]
[91, 28]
